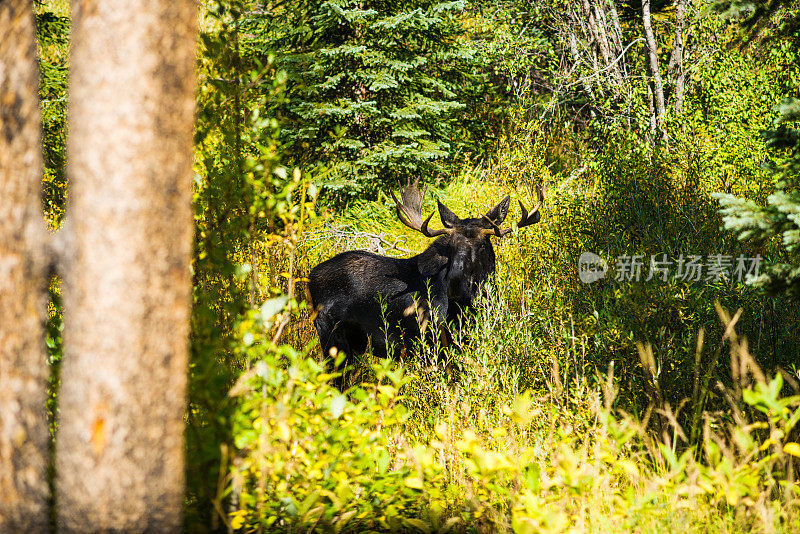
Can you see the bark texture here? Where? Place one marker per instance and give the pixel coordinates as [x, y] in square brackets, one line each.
[23, 366]
[127, 287]
[595, 17]
[676, 70]
[656, 82]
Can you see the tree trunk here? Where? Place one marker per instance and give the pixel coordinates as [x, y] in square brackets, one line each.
[578, 22]
[598, 24]
[676, 69]
[127, 289]
[24, 435]
[573, 49]
[600, 38]
[616, 32]
[656, 84]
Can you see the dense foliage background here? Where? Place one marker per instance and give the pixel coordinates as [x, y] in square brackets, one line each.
[660, 127]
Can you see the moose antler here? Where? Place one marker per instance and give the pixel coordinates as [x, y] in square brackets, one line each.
[410, 210]
[528, 217]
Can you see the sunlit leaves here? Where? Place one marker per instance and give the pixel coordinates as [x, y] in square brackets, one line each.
[308, 454]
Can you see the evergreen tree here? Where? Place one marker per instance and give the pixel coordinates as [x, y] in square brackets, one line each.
[372, 92]
[781, 215]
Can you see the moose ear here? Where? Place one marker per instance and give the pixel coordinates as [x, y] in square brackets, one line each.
[498, 213]
[449, 219]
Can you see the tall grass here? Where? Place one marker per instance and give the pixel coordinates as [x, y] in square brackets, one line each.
[417, 450]
[611, 407]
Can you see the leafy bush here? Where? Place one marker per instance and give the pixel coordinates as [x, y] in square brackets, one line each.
[310, 458]
[307, 456]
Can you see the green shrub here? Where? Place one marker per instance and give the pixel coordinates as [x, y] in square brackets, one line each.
[310, 457]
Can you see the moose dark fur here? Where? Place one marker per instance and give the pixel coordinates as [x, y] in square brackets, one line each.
[363, 299]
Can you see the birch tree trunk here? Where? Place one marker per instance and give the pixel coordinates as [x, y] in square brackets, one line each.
[656, 83]
[127, 286]
[23, 280]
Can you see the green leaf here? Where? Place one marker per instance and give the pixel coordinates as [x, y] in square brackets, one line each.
[308, 502]
[272, 307]
[532, 477]
[792, 448]
[337, 405]
[414, 483]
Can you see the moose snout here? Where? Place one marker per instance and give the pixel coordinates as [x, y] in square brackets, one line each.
[459, 288]
[453, 289]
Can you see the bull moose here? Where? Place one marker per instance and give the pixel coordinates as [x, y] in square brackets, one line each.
[364, 299]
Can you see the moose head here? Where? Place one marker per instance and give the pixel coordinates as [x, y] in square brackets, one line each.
[471, 255]
[364, 299]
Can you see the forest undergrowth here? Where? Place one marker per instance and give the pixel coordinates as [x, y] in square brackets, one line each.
[612, 407]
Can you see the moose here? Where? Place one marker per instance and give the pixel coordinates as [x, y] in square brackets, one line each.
[362, 299]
